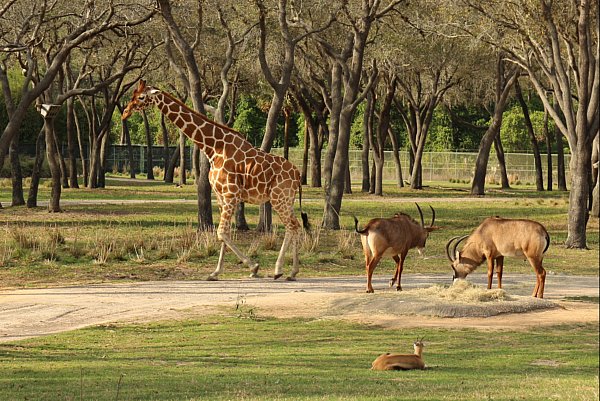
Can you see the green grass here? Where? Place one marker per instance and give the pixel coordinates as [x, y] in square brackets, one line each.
[157, 241]
[234, 358]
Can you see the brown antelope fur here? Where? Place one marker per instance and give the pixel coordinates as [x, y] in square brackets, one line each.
[393, 237]
[401, 361]
[496, 238]
[238, 173]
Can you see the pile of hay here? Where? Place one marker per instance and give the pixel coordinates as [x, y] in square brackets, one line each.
[462, 291]
[462, 299]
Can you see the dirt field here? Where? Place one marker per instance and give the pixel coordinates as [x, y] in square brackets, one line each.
[26, 313]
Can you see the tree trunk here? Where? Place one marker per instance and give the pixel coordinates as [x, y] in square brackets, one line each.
[304, 173]
[182, 161]
[396, 153]
[103, 156]
[286, 133]
[366, 145]
[64, 172]
[54, 164]
[16, 173]
[503, 86]
[85, 171]
[560, 161]
[548, 151]
[580, 167]
[165, 136]
[149, 143]
[170, 168]
[37, 169]
[71, 143]
[595, 209]
[504, 184]
[240, 217]
[539, 179]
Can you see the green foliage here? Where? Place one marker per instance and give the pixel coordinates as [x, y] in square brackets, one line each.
[250, 120]
[440, 136]
[514, 133]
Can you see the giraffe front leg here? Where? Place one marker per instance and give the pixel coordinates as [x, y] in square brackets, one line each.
[281, 258]
[214, 276]
[227, 208]
[295, 259]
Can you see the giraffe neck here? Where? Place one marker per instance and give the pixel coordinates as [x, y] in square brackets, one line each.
[205, 133]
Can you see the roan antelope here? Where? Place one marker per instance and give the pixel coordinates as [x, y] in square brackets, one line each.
[394, 237]
[496, 238]
[401, 361]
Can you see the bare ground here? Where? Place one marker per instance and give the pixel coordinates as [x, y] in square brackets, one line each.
[26, 313]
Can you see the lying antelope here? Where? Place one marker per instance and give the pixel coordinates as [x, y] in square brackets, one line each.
[496, 238]
[401, 361]
[393, 237]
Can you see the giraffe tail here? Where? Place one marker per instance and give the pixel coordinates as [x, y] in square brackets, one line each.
[304, 216]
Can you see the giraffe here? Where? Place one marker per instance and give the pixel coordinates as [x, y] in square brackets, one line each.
[239, 172]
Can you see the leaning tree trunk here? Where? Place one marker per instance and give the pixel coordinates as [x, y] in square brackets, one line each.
[16, 173]
[36, 173]
[396, 153]
[53, 163]
[539, 179]
[503, 86]
[504, 184]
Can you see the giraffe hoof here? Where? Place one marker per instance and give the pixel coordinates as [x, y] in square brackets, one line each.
[398, 288]
[212, 278]
[275, 277]
[290, 278]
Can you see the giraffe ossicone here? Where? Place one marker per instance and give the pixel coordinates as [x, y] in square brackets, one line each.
[239, 172]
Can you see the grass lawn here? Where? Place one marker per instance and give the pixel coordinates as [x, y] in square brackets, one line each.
[242, 358]
[158, 241]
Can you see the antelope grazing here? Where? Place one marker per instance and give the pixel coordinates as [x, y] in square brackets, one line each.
[401, 361]
[393, 237]
[496, 238]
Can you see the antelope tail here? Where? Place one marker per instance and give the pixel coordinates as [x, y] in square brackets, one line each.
[547, 242]
[361, 232]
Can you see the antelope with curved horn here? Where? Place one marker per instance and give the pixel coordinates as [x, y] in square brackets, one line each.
[393, 237]
[401, 361]
[496, 238]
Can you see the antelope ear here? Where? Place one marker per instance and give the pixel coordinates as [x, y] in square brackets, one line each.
[457, 255]
[433, 228]
[141, 84]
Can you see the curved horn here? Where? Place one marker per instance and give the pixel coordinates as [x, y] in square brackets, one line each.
[420, 214]
[458, 242]
[433, 217]
[451, 254]
[450, 257]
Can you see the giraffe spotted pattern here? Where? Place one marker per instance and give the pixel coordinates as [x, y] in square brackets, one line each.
[239, 173]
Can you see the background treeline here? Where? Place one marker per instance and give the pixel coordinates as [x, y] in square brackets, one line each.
[326, 76]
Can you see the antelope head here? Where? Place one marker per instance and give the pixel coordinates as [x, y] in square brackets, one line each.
[142, 98]
[461, 263]
[426, 229]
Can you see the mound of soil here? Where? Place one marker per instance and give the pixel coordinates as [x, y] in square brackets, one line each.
[462, 299]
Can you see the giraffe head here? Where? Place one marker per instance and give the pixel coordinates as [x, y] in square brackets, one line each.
[142, 98]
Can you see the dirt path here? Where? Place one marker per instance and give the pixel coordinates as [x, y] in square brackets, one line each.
[26, 313]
